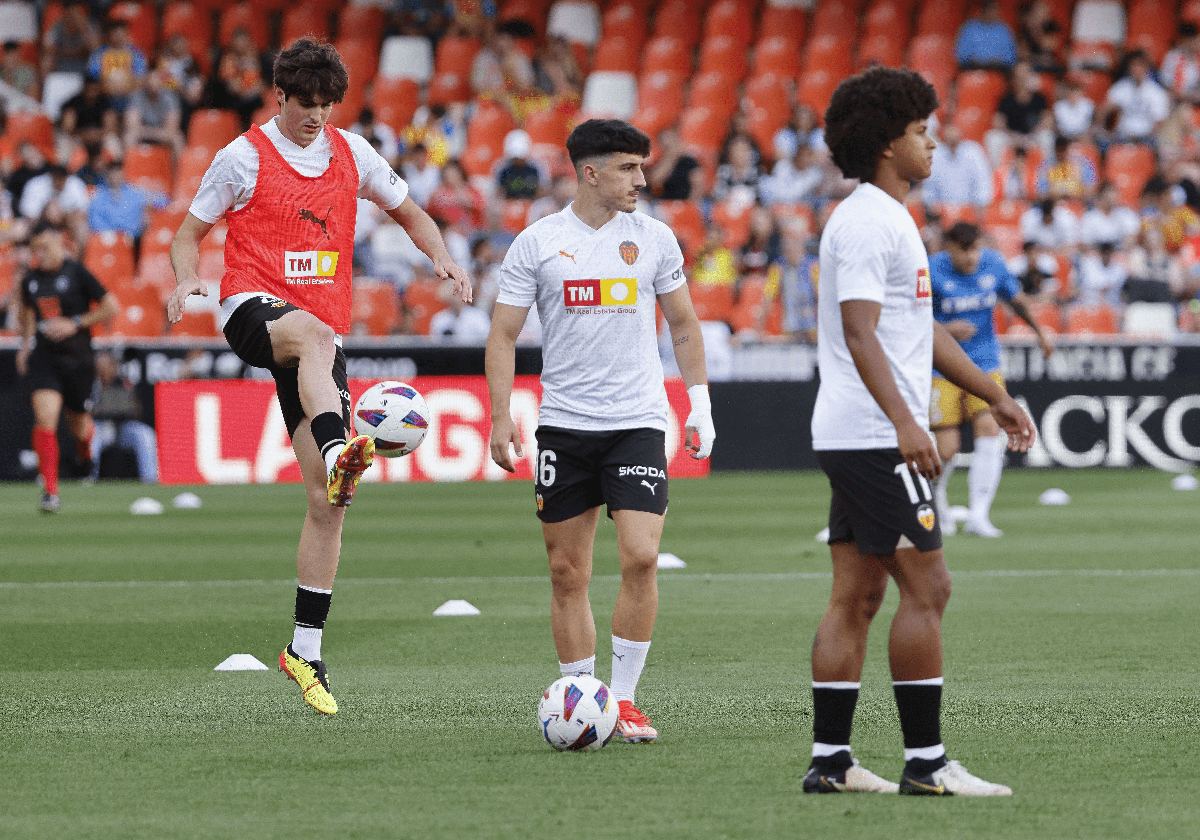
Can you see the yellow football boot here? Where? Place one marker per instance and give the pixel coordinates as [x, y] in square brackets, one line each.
[313, 679]
[352, 462]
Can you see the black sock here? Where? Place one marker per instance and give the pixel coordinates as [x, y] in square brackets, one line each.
[920, 707]
[328, 430]
[312, 608]
[833, 714]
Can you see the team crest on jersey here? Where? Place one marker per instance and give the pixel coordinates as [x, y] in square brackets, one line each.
[541, 503]
[629, 252]
[926, 517]
[924, 290]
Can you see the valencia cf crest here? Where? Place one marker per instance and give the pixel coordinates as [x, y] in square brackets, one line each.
[629, 252]
[926, 517]
[541, 503]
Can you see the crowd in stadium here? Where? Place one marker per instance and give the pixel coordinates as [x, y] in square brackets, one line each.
[1068, 130]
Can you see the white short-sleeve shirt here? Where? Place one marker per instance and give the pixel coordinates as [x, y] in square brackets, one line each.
[595, 292]
[871, 250]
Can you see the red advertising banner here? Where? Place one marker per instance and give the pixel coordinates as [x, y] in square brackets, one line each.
[232, 432]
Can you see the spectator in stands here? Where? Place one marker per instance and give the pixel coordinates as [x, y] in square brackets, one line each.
[1039, 37]
[459, 322]
[739, 132]
[556, 73]
[516, 175]
[70, 42]
[562, 192]
[762, 247]
[1068, 174]
[803, 129]
[457, 201]
[1051, 224]
[1155, 274]
[796, 179]
[239, 82]
[19, 73]
[1108, 220]
[94, 171]
[501, 71]
[1023, 116]
[1035, 267]
[422, 176]
[792, 276]
[59, 198]
[442, 128]
[371, 128]
[1139, 103]
[424, 18]
[119, 205]
[117, 415]
[1073, 110]
[155, 115]
[985, 40]
[485, 268]
[961, 172]
[714, 264]
[90, 118]
[119, 64]
[1100, 277]
[30, 164]
[738, 179]
[675, 175]
[1015, 177]
[1163, 207]
[1180, 73]
[183, 74]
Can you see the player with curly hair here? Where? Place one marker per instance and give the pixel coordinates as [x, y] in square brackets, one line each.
[877, 346]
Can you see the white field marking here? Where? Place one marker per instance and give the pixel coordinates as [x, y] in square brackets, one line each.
[542, 579]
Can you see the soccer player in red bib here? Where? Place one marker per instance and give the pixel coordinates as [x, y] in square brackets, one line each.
[877, 346]
[288, 192]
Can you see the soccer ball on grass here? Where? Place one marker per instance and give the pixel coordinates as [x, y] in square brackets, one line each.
[395, 415]
[577, 713]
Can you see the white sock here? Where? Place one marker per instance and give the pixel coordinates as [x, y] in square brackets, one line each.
[306, 642]
[943, 481]
[331, 455]
[984, 475]
[925, 753]
[583, 666]
[629, 658]
[822, 750]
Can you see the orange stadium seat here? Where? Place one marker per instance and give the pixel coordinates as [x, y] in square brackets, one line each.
[142, 20]
[734, 18]
[34, 127]
[678, 18]
[711, 302]
[249, 16]
[1004, 212]
[941, 17]
[1189, 10]
[931, 51]
[686, 222]
[617, 54]
[1047, 315]
[374, 306]
[213, 128]
[791, 21]
[479, 158]
[303, 19]
[455, 54]
[714, 90]
[889, 15]
[830, 53]
[981, 88]
[1007, 240]
[973, 121]
[769, 92]
[549, 126]
[1129, 166]
[951, 214]
[836, 17]
[395, 100]
[883, 48]
[1095, 83]
[777, 54]
[109, 256]
[763, 124]
[724, 53]
[155, 270]
[734, 221]
[816, 87]
[514, 212]
[748, 311]
[663, 90]
[195, 24]
[148, 165]
[489, 126]
[1091, 55]
[704, 128]
[361, 21]
[1151, 25]
[445, 88]
[669, 53]
[200, 324]
[193, 163]
[1093, 319]
[653, 120]
[422, 299]
[624, 20]
[141, 314]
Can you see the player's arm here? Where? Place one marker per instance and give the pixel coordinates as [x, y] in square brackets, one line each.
[185, 260]
[859, 321]
[1019, 304]
[26, 329]
[423, 231]
[62, 327]
[499, 365]
[688, 344]
[951, 362]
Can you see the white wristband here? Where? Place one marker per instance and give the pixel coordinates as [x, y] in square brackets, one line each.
[698, 394]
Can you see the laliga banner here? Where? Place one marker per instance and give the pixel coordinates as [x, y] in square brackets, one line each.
[232, 432]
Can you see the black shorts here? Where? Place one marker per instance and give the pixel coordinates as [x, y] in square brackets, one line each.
[248, 336]
[72, 375]
[877, 500]
[576, 471]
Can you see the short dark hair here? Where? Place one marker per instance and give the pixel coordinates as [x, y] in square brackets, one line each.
[594, 138]
[870, 110]
[45, 225]
[963, 234]
[312, 69]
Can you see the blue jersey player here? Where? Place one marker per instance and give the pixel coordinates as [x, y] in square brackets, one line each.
[968, 281]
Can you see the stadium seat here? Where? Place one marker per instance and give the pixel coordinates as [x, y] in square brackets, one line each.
[1189, 10]
[734, 221]
[356, 20]
[445, 88]
[249, 16]
[679, 19]
[141, 313]
[889, 15]
[789, 19]
[1006, 212]
[769, 92]
[533, 12]
[1098, 20]
[1095, 83]
[652, 120]
[1007, 240]
[34, 127]
[981, 88]
[422, 299]
[929, 52]
[577, 22]
[1091, 55]
[513, 213]
[300, 20]
[18, 22]
[973, 121]
[623, 20]
[213, 128]
[360, 54]
[1151, 25]
[57, 88]
[882, 48]
[667, 53]
[617, 53]
[711, 302]
[193, 163]
[142, 20]
[549, 126]
[836, 17]
[663, 90]
[703, 128]
[952, 214]
[733, 18]
[1092, 319]
[610, 94]
[748, 310]
[725, 54]
[109, 255]
[714, 90]
[1047, 315]
[940, 17]
[406, 57]
[395, 100]
[148, 165]
[479, 158]
[374, 306]
[1129, 166]
[195, 324]
[816, 87]
[490, 124]
[455, 54]
[195, 24]
[686, 222]
[776, 54]
[1149, 320]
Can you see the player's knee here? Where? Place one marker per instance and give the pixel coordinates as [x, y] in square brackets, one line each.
[640, 561]
[569, 571]
[935, 591]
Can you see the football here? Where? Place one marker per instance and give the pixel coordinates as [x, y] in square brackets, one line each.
[394, 414]
[577, 713]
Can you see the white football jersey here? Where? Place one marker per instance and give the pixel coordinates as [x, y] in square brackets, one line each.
[595, 292]
[871, 250]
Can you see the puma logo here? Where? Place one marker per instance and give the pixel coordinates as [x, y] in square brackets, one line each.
[571, 257]
[651, 486]
[310, 216]
[620, 656]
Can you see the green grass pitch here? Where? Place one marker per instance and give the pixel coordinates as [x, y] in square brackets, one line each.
[1072, 665]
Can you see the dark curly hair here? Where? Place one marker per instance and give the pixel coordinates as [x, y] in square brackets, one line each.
[870, 110]
[313, 70]
[594, 138]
